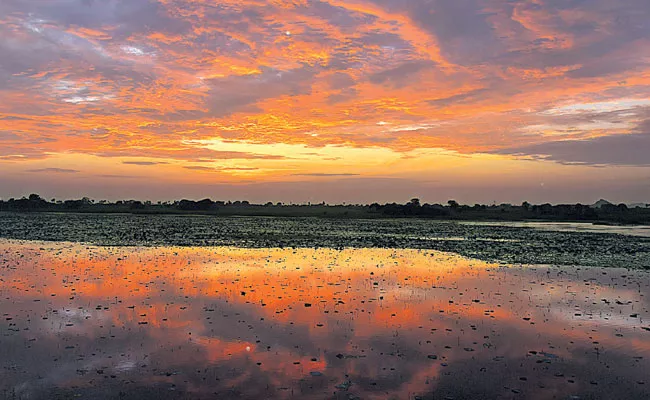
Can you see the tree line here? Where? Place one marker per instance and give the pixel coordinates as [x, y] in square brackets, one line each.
[604, 211]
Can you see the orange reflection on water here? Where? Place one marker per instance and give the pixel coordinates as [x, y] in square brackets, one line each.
[313, 323]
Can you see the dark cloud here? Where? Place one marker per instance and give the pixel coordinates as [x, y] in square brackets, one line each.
[126, 17]
[538, 34]
[341, 80]
[239, 169]
[324, 174]
[13, 118]
[21, 153]
[401, 75]
[55, 170]
[461, 27]
[384, 39]
[202, 168]
[189, 154]
[605, 33]
[112, 176]
[143, 163]
[340, 17]
[342, 96]
[241, 93]
[460, 98]
[199, 168]
[8, 136]
[622, 149]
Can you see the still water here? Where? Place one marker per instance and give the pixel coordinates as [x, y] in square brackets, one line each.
[629, 230]
[80, 321]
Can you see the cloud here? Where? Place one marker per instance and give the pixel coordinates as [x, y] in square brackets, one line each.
[115, 176]
[342, 96]
[143, 163]
[151, 79]
[54, 170]
[200, 168]
[622, 149]
[401, 75]
[467, 97]
[241, 93]
[239, 169]
[341, 80]
[8, 136]
[324, 174]
[188, 154]
[463, 28]
[219, 169]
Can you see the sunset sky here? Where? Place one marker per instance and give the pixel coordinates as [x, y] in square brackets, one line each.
[326, 100]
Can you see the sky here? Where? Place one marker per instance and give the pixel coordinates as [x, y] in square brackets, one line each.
[326, 100]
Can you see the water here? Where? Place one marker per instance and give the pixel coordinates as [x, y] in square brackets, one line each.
[496, 242]
[629, 230]
[268, 323]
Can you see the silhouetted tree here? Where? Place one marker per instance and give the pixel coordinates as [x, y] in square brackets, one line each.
[204, 205]
[136, 205]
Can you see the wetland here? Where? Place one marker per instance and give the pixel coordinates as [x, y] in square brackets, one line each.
[203, 307]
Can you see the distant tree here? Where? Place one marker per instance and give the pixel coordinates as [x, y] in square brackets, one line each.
[204, 204]
[415, 202]
[525, 205]
[546, 209]
[434, 210]
[186, 205]
[72, 204]
[453, 204]
[589, 213]
[34, 202]
[609, 208]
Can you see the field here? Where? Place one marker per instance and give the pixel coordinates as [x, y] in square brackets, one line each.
[200, 307]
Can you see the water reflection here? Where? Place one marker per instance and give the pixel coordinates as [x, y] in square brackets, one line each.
[282, 323]
[630, 230]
